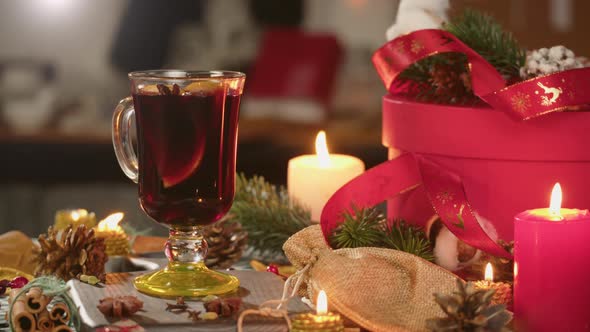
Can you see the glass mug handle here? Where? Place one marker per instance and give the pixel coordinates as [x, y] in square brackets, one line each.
[122, 142]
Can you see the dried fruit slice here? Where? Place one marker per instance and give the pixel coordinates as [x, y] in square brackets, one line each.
[201, 88]
[151, 89]
[180, 146]
[10, 273]
[175, 173]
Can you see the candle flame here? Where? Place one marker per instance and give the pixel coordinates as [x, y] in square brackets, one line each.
[555, 203]
[75, 215]
[489, 275]
[111, 223]
[321, 149]
[322, 303]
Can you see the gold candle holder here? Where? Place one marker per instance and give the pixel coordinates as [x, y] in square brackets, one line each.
[115, 238]
[309, 322]
[503, 294]
[321, 321]
[74, 217]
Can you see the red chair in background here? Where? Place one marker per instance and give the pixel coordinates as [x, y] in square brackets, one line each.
[293, 76]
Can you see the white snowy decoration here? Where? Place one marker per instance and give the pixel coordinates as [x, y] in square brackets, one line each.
[415, 15]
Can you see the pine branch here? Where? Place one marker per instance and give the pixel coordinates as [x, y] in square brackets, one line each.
[408, 238]
[421, 70]
[486, 37]
[421, 81]
[366, 227]
[267, 213]
[480, 32]
[361, 228]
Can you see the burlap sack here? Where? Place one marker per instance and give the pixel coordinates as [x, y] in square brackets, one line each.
[379, 289]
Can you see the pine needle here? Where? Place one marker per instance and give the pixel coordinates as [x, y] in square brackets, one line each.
[270, 217]
[419, 82]
[359, 229]
[486, 37]
[267, 213]
[408, 238]
[366, 227]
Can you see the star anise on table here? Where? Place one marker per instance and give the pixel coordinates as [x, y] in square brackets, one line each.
[224, 307]
[119, 306]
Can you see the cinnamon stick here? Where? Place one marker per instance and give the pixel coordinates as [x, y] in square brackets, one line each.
[36, 301]
[22, 319]
[13, 294]
[44, 323]
[60, 314]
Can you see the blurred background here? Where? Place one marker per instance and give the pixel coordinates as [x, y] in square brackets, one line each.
[63, 66]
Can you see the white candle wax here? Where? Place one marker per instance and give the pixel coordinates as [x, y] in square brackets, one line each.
[312, 179]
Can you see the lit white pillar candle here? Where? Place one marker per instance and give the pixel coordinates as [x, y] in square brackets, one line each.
[312, 179]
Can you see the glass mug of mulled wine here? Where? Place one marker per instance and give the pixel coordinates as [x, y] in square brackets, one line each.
[187, 127]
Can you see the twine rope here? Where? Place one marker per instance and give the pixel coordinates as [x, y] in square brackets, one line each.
[265, 309]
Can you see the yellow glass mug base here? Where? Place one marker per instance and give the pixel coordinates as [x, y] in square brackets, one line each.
[186, 279]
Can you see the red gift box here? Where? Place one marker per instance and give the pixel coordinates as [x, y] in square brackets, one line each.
[475, 167]
[506, 166]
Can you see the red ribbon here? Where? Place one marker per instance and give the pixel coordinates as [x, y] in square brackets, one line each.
[543, 95]
[384, 181]
[524, 100]
[395, 177]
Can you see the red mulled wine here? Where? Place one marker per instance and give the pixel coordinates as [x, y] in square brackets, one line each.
[186, 153]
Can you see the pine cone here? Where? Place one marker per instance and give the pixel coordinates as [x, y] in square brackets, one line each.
[546, 61]
[447, 81]
[469, 309]
[227, 241]
[70, 253]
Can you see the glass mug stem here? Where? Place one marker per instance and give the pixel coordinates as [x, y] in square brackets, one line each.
[186, 246]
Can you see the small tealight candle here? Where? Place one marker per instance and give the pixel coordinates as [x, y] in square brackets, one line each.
[313, 178]
[321, 321]
[115, 239]
[551, 250]
[75, 217]
[503, 294]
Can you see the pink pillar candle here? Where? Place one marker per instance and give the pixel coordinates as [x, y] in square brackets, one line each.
[551, 271]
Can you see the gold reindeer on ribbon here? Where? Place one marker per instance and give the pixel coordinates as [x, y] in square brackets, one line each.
[555, 93]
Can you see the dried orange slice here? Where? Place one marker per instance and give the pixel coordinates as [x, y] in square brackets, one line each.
[9, 273]
[151, 89]
[207, 87]
[173, 175]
